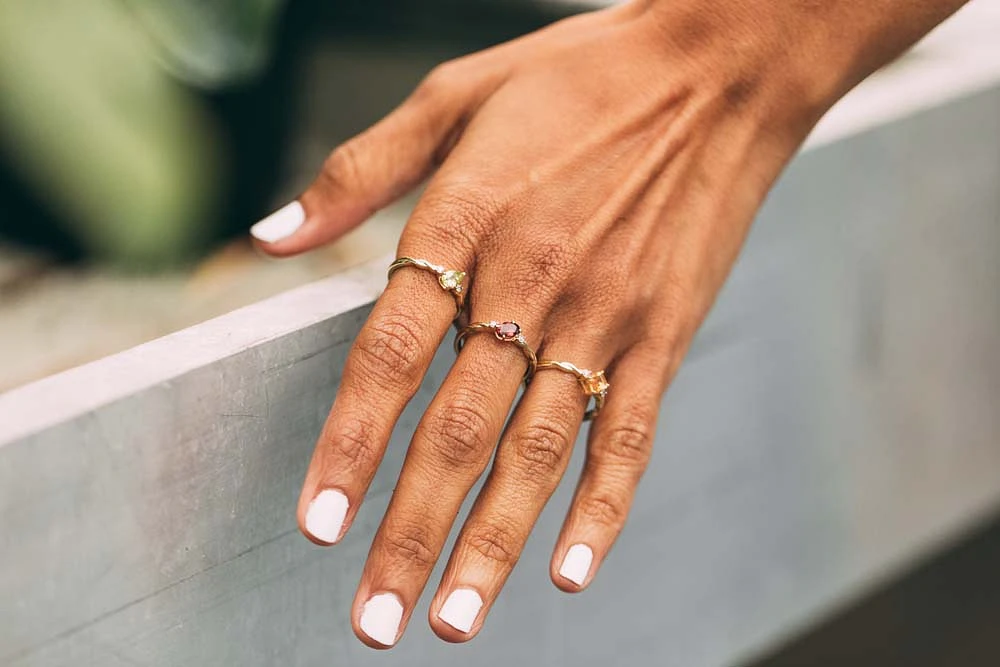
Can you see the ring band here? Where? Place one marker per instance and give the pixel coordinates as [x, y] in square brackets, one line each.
[593, 383]
[508, 332]
[450, 280]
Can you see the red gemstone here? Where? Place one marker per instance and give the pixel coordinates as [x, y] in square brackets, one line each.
[507, 330]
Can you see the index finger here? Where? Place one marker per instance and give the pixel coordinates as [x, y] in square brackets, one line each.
[382, 373]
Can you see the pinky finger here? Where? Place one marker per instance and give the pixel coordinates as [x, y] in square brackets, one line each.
[618, 450]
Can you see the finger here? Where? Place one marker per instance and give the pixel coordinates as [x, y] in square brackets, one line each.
[383, 371]
[451, 447]
[376, 167]
[529, 463]
[618, 451]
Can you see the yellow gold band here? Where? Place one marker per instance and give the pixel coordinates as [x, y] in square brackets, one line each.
[593, 383]
[508, 332]
[450, 280]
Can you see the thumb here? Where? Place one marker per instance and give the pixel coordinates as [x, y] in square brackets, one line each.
[376, 167]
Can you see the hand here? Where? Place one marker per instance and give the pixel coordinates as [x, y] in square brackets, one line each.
[596, 180]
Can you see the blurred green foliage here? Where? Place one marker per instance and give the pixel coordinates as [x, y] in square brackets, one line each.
[101, 114]
[210, 42]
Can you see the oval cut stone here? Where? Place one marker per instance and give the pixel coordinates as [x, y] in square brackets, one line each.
[507, 330]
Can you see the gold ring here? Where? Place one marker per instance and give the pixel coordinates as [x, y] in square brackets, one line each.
[450, 280]
[593, 383]
[508, 332]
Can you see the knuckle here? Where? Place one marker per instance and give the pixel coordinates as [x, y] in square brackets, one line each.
[391, 351]
[609, 300]
[617, 284]
[551, 256]
[629, 441]
[443, 76]
[354, 443]
[342, 169]
[458, 433]
[463, 215]
[494, 543]
[542, 448]
[410, 543]
[603, 509]
[548, 264]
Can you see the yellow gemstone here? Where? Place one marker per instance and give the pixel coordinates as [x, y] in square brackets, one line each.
[594, 383]
[452, 280]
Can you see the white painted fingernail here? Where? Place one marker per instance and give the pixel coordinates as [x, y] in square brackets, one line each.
[325, 516]
[461, 609]
[280, 224]
[576, 564]
[381, 616]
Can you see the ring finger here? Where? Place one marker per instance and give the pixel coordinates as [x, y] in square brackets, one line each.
[530, 461]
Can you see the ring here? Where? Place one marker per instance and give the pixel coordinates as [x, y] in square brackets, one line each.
[593, 383]
[450, 280]
[508, 332]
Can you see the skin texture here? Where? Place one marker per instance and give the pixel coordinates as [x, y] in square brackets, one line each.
[596, 179]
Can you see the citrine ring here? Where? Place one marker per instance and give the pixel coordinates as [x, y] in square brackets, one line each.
[593, 383]
[450, 280]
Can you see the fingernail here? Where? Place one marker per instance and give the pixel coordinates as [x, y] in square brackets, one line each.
[325, 516]
[381, 616]
[461, 609]
[576, 564]
[280, 224]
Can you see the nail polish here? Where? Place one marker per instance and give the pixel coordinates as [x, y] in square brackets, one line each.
[325, 516]
[281, 224]
[381, 616]
[576, 564]
[461, 609]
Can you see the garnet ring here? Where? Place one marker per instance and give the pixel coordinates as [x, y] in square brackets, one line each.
[508, 332]
[593, 383]
[450, 280]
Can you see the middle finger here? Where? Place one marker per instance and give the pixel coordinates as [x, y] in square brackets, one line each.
[449, 451]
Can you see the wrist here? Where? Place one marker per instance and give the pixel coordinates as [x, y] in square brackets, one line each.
[801, 56]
